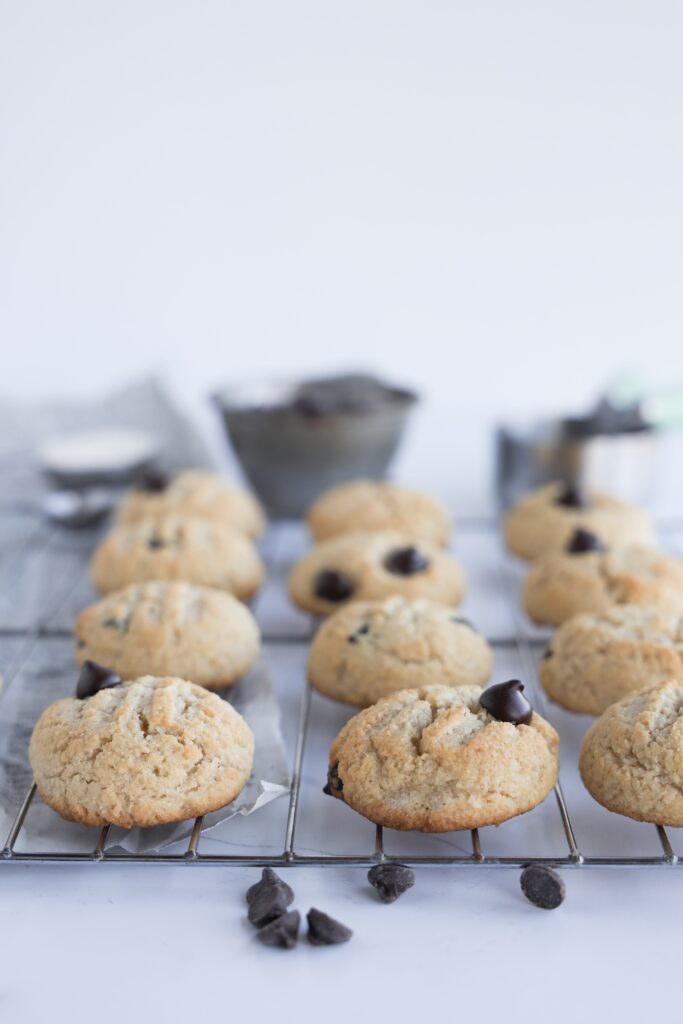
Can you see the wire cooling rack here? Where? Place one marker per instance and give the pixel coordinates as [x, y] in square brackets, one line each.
[43, 584]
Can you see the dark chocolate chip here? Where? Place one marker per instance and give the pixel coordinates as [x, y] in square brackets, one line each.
[323, 930]
[582, 541]
[331, 585]
[361, 631]
[93, 678]
[269, 880]
[156, 542]
[269, 903]
[571, 496]
[406, 561]
[542, 886]
[391, 880]
[334, 783]
[506, 702]
[282, 932]
[154, 481]
[547, 654]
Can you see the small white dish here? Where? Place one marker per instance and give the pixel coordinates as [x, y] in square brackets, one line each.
[113, 453]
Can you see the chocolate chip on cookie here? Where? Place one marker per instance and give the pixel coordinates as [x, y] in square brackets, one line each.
[334, 784]
[331, 585]
[154, 481]
[571, 496]
[406, 561]
[361, 631]
[93, 678]
[582, 541]
[506, 702]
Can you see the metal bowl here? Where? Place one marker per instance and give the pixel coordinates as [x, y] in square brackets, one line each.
[291, 450]
[527, 456]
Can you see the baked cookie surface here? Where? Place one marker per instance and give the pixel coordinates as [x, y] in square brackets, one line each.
[144, 753]
[560, 586]
[369, 505]
[169, 628]
[369, 649]
[367, 566]
[595, 660]
[435, 760]
[632, 756]
[543, 522]
[197, 493]
[173, 547]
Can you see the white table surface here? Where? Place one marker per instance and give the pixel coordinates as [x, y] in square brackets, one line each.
[100, 940]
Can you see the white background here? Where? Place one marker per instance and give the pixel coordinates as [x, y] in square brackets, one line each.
[483, 199]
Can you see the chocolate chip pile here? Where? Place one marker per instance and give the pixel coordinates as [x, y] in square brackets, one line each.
[268, 901]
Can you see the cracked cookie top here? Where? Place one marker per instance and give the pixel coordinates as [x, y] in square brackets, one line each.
[435, 760]
[369, 505]
[144, 753]
[369, 649]
[595, 660]
[174, 547]
[174, 628]
[559, 586]
[198, 493]
[369, 566]
[632, 757]
[544, 521]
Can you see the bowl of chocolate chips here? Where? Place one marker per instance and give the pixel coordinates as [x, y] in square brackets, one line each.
[296, 439]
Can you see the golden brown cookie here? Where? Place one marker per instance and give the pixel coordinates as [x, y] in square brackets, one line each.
[595, 660]
[144, 753]
[197, 493]
[172, 547]
[364, 506]
[169, 628]
[367, 566]
[544, 521]
[632, 756]
[368, 649]
[560, 586]
[435, 760]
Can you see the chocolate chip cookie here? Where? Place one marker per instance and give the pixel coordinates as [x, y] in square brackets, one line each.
[165, 628]
[367, 566]
[173, 547]
[369, 505]
[595, 660]
[632, 756]
[143, 753]
[368, 649]
[544, 521]
[562, 585]
[434, 759]
[197, 493]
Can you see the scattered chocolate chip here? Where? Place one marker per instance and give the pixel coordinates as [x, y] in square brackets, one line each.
[93, 678]
[268, 903]
[156, 542]
[282, 932]
[542, 886]
[154, 481]
[331, 585]
[334, 783]
[323, 930]
[361, 631]
[406, 561]
[269, 880]
[548, 654]
[391, 880]
[582, 541]
[506, 702]
[571, 496]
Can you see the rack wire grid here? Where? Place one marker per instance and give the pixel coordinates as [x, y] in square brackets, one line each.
[43, 584]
